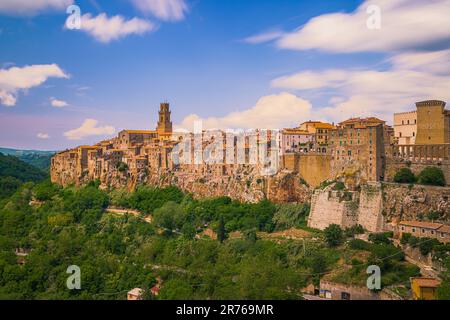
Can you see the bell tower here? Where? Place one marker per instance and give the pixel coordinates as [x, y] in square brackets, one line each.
[164, 123]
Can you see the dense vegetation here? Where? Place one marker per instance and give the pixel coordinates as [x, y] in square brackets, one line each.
[117, 253]
[13, 172]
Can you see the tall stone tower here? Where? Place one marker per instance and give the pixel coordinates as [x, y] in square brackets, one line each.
[164, 123]
[433, 122]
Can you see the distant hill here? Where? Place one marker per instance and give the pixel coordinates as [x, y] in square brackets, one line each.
[11, 166]
[14, 172]
[39, 159]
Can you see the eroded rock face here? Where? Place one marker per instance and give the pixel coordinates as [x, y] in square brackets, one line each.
[403, 202]
[242, 183]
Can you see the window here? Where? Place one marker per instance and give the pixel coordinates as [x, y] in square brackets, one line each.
[403, 228]
[413, 229]
[423, 230]
[345, 296]
[414, 134]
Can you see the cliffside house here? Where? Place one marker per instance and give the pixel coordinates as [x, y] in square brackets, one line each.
[134, 294]
[422, 229]
[424, 288]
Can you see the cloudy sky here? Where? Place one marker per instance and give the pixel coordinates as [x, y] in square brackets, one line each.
[231, 63]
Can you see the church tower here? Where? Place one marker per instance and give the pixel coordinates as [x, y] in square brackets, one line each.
[164, 123]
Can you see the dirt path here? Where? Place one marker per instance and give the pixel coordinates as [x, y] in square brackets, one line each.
[135, 213]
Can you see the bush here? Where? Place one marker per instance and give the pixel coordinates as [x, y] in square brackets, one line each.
[427, 245]
[432, 176]
[333, 235]
[404, 175]
[354, 230]
[380, 238]
[433, 215]
[358, 244]
[405, 238]
[339, 186]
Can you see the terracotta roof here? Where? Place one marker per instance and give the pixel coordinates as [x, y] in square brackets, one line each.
[135, 292]
[444, 228]
[420, 224]
[295, 131]
[140, 131]
[426, 282]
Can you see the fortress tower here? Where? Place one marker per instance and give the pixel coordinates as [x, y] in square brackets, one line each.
[433, 122]
[164, 127]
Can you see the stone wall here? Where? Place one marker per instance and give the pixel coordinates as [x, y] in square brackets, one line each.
[371, 207]
[330, 207]
[315, 169]
[378, 206]
[356, 292]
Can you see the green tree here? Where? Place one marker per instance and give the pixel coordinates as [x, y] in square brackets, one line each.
[404, 175]
[432, 176]
[333, 235]
[221, 232]
[444, 288]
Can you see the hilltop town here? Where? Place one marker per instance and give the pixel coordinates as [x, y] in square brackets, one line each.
[362, 154]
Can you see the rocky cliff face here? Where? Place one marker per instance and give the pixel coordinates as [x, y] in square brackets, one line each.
[243, 183]
[403, 202]
[379, 206]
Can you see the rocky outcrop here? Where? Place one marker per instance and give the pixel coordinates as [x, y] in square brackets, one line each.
[415, 202]
[378, 206]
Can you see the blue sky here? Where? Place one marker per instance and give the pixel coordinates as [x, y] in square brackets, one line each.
[207, 64]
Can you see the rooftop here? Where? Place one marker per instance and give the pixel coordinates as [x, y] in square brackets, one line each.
[426, 282]
[421, 224]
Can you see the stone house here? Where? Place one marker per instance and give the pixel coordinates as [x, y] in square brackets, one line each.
[422, 229]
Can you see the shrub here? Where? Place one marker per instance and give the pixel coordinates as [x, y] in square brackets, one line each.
[358, 244]
[354, 230]
[433, 215]
[404, 175]
[432, 176]
[333, 235]
[413, 241]
[427, 245]
[339, 186]
[380, 238]
[405, 238]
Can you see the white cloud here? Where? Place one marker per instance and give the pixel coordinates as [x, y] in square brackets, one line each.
[89, 128]
[170, 10]
[15, 79]
[106, 29]
[405, 24]
[32, 7]
[270, 112]
[264, 37]
[43, 136]
[58, 103]
[411, 78]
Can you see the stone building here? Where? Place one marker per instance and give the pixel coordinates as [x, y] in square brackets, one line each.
[405, 127]
[130, 155]
[422, 229]
[428, 124]
[358, 146]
